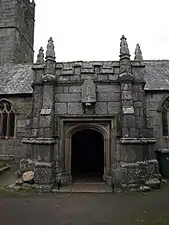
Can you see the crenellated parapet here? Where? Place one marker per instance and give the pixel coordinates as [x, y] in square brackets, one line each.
[78, 71]
[98, 71]
[107, 71]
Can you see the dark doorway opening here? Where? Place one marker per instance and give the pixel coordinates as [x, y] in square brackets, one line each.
[87, 159]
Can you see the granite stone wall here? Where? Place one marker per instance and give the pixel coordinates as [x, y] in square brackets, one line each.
[16, 31]
[68, 100]
[68, 103]
[71, 77]
[7, 45]
[154, 100]
[13, 146]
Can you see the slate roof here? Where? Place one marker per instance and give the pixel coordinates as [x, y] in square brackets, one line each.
[17, 79]
[157, 75]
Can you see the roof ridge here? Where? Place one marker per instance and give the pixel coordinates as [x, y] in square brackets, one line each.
[156, 60]
[85, 61]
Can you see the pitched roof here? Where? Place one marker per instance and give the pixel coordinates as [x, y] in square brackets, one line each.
[17, 79]
[156, 74]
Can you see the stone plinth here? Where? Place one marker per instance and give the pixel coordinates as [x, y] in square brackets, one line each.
[44, 173]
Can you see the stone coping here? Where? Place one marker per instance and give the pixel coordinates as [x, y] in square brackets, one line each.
[46, 141]
[137, 140]
[44, 164]
[37, 66]
[138, 163]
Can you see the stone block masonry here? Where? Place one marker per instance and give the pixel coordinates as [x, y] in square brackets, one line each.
[104, 96]
[16, 31]
[13, 147]
[55, 100]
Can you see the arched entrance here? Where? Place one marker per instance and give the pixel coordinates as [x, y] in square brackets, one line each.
[87, 155]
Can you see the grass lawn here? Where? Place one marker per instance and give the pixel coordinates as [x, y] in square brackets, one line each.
[3, 164]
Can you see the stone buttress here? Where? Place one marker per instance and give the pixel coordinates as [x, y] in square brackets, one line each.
[40, 137]
[136, 163]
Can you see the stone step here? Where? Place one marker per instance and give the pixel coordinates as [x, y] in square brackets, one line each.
[84, 188]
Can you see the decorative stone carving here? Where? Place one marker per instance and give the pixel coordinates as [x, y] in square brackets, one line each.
[124, 50]
[138, 54]
[88, 91]
[50, 49]
[125, 64]
[50, 65]
[88, 95]
[40, 57]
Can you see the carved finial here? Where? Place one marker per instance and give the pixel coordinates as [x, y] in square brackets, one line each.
[40, 57]
[124, 50]
[50, 49]
[138, 54]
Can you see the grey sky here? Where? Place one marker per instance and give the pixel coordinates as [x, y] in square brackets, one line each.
[91, 29]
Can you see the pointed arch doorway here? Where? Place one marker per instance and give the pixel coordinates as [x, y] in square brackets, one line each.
[87, 155]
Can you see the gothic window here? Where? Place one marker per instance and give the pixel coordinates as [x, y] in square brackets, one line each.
[7, 119]
[165, 117]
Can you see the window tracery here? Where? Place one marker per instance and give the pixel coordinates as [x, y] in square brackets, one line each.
[7, 119]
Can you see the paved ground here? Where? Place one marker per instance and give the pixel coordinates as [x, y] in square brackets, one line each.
[81, 209]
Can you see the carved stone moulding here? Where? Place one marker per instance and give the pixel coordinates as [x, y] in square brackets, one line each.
[137, 140]
[46, 141]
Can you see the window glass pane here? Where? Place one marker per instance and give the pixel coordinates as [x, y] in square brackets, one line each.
[7, 119]
[11, 124]
[166, 104]
[0, 125]
[165, 123]
[8, 106]
[4, 126]
[1, 106]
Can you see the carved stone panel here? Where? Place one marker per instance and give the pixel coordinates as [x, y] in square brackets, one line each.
[88, 91]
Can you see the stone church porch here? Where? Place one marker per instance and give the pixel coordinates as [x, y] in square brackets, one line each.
[91, 127]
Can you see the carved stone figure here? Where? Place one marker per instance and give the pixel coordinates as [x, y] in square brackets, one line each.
[40, 57]
[138, 54]
[50, 49]
[124, 50]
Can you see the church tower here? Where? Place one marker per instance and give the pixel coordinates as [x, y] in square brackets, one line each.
[16, 31]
